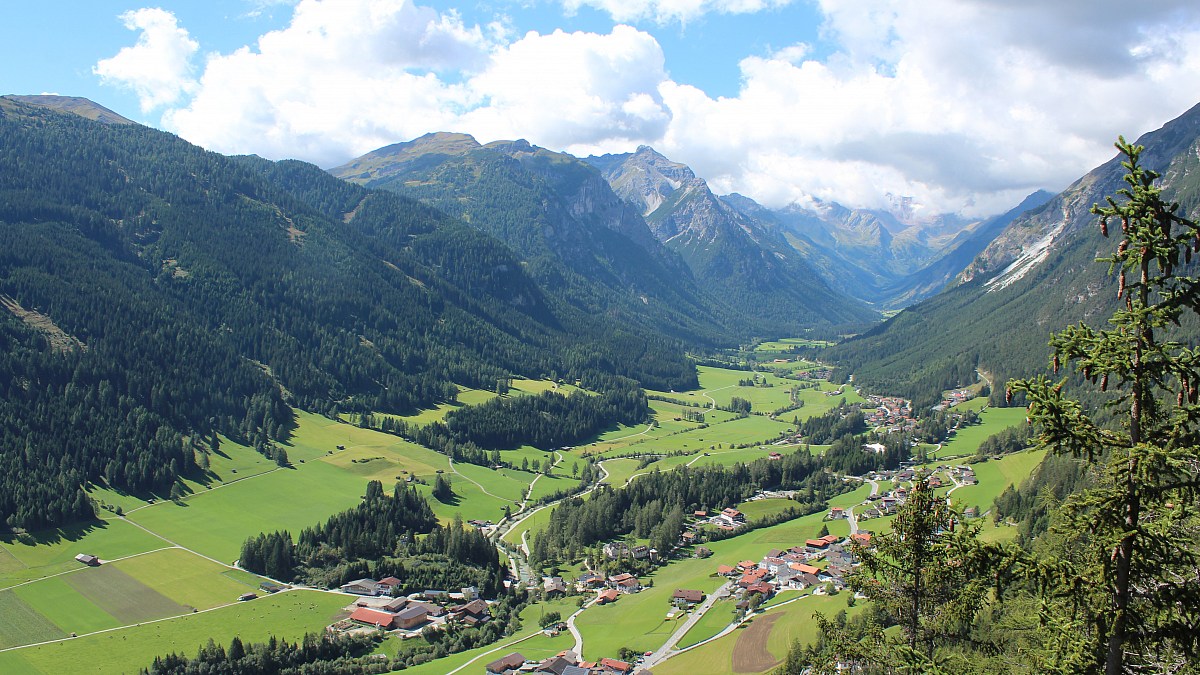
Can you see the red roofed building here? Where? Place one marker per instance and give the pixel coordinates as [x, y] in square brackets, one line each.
[831, 539]
[803, 568]
[373, 617]
[863, 538]
[607, 595]
[751, 577]
[506, 664]
[614, 666]
[761, 587]
[725, 570]
[687, 595]
[816, 543]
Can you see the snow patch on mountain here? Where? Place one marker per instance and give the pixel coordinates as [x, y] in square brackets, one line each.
[1029, 259]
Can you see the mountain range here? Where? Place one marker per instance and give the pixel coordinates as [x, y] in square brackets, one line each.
[1036, 276]
[564, 216]
[157, 294]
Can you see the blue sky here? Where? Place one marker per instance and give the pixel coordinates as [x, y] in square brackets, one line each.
[949, 105]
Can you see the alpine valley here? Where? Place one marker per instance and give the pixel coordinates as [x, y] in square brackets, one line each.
[460, 407]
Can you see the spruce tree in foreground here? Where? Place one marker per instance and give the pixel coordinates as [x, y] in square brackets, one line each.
[1126, 596]
[927, 577]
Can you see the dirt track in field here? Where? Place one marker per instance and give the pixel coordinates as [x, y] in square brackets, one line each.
[750, 654]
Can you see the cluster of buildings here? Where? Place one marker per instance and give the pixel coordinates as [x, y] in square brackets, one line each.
[620, 549]
[892, 413]
[564, 663]
[608, 589]
[818, 374]
[796, 568]
[378, 609]
[955, 397]
[727, 519]
[884, 503]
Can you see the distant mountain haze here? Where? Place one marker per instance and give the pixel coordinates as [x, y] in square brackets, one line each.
[1036, 276]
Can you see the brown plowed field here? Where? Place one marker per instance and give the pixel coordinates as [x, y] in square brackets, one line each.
[750, 654]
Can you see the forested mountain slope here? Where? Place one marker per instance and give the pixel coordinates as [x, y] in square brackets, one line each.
[576, 234]
[1037, 276]
[153, 294]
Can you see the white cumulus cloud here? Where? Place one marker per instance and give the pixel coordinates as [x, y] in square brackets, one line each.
[964, 105]
[960, 105]
[573, 91]
[158, 68]
[670, 11]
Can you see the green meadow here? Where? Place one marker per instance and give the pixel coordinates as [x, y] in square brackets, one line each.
[761, 508]
[787, 343]
[22, 624]
[140, 588]
[285, 615]
[720, 615]
[994, 476]
[188, 579]
[992, 421]
[620, 471]
[642, 616]
[108, 539]
[217, 521]
[795, 622]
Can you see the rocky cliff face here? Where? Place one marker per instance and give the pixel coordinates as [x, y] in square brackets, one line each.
[1035, 237]
[745, 258]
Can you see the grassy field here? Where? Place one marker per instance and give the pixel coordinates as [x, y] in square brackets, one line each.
[547, 485]
[760, 508]
[788, 343]
[994, 476]
[992, 421]
[716, 618]
[61, 603]
[285, 615]
[21, 624]
[133, 590]
[505, 484]
[124, 597]
[188, 579]
[620, 470]
[642, 615]
[751, 429]
[795, 622]
[108, 539]
[532, 524]
[216, 522]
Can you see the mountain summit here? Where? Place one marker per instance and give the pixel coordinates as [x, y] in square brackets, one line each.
[752, 265]
[593, 245]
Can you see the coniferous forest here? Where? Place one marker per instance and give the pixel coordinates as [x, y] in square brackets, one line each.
[157, 298]
[170, 294]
